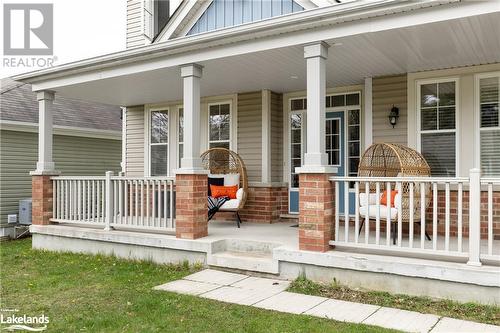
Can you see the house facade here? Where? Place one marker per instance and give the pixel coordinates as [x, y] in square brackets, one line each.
[299, 89]
[82, 144]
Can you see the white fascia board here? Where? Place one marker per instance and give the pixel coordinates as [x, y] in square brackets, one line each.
[20, 126]
[290, 30]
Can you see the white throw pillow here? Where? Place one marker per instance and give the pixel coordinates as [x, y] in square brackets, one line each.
[232, 179]
[239, 194]
[213, 175]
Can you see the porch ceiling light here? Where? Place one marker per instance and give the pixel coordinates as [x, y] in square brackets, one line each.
[393, 116]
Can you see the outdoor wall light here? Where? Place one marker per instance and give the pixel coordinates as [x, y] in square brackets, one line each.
[393, 116]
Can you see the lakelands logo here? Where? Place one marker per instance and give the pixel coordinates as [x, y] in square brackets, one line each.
[28, 31]
[24, 322]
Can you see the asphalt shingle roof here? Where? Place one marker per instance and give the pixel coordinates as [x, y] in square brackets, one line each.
[18, 103]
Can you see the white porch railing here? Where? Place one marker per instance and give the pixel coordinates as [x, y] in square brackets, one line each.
[115, 201]
[448, 209]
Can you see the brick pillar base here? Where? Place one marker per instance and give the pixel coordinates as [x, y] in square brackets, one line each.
[42, 190]
[315, 212]
[191, 221]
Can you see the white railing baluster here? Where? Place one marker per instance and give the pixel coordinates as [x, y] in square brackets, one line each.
[171, 208]
[142, 202]
[447, 218]
[423, 205]
[153, 198]
[460, 217]
[399, 188]
[490, 218]
[66, 200]
[148, 219]
[377, 213]
[98, 201]
[165, 203]
[93, 201]
[120, 200]
[388, 214]
[346, 211]
[337, 217]
[411, 216]
[434, 215]
[136, 209]
[356, 211]
[367, 213]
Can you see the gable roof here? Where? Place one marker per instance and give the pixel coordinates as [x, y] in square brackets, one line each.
[19, 104]
[189, 12]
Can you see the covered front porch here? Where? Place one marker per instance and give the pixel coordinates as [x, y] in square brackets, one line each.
[270, 96]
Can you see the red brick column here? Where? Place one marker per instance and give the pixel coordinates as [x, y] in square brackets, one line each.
[191, 221]
[42, 190]
[316, 225]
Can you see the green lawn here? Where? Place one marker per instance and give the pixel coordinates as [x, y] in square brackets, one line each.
[82, 293]
[467, 311]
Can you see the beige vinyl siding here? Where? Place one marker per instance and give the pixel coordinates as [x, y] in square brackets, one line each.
[135, 137]
[276, 137]
[72, 156]
[250, 133]
[134, 36]
[389, 91]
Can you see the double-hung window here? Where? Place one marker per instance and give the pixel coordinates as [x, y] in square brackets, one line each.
[158, 143]
[219, 125]
[438, 129]
[489, 126]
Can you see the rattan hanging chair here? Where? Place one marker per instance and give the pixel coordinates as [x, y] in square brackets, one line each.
[222, 161]
[394, 160]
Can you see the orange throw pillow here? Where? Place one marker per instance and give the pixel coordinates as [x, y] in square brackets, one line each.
[383, 199]
[224, 191]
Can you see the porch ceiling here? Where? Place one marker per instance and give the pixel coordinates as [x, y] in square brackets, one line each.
[459, 42]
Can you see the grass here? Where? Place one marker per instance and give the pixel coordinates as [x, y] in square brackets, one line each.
[468, 311]
[83, 293]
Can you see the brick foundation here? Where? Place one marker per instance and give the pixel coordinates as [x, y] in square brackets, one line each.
[191, 206]
[316, 226]
[42, 190]
[263, 205]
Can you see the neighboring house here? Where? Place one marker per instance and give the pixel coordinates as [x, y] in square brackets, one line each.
[299, 89]
[83, 143]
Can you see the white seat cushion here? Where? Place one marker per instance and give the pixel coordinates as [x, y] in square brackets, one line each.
[230, 205]
[232, 179]
[239, 194]
[372, 212]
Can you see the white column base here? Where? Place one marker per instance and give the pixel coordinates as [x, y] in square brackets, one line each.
[316, 159]
[45, 166]
[187, 171]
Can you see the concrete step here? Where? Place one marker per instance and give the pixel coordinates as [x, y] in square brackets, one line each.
[254, 261]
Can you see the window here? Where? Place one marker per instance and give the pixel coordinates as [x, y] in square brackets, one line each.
[149, 18]
[181, 135]
[353, 140]
[437, 110]
[333, 141]
[219, 122]
[158, 143]
[489, 102]
[295, 147]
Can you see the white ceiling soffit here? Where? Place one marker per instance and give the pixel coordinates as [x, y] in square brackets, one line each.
[455, 43]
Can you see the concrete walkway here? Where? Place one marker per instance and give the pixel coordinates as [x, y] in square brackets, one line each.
[270, 294]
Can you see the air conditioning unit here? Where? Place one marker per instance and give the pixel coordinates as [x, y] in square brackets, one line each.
[12, 218]
[25, 211]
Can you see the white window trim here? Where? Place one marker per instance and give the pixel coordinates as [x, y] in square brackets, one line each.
[477, 115]
[419, 131]
[302, 141]
[147, 139]
[231, 124]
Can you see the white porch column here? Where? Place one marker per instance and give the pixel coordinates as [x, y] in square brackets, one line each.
[45, 162]
[191, 74]
[316, 159]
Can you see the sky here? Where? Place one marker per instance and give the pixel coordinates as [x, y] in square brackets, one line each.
[82, 29]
